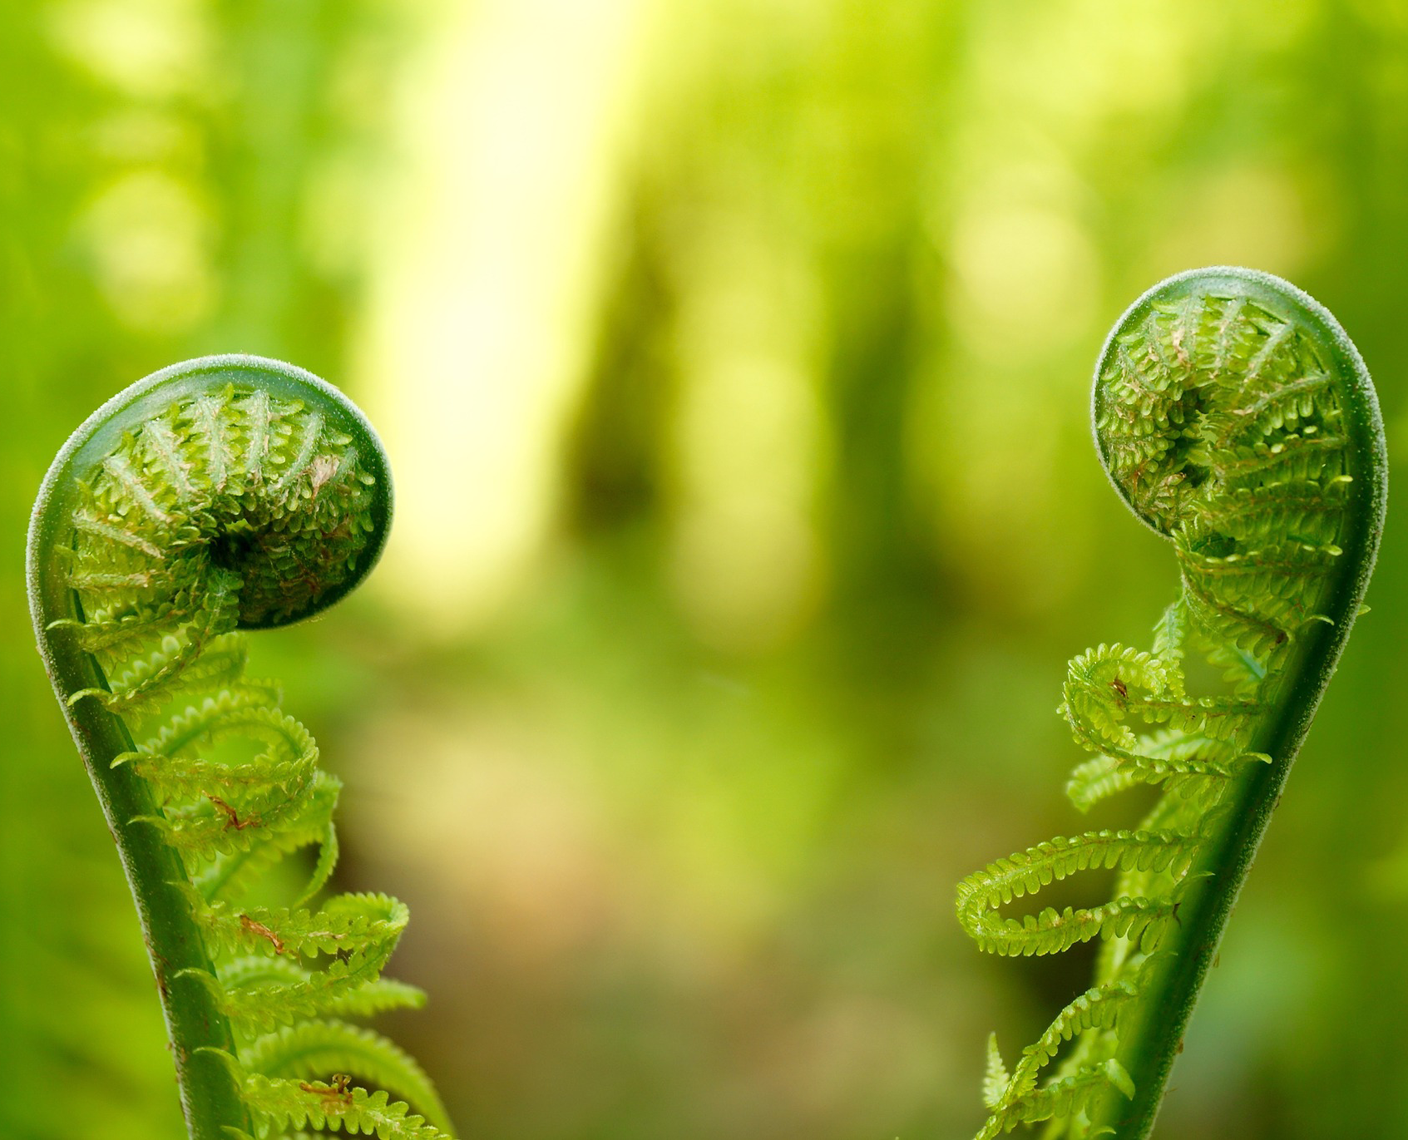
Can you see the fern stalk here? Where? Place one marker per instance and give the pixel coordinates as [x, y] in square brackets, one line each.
[209, 1098]
[220, 494]
[1235, 417]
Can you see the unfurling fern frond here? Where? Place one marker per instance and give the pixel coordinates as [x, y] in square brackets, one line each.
[1235, 417]
[223, 494]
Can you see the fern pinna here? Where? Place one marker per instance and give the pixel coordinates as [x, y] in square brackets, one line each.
[1236, 418]
[226, 493]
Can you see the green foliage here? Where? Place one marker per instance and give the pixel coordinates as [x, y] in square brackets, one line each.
[1026, 872]
[223, 493]
[328, 1046]
[282, 1105]
[1235, 418]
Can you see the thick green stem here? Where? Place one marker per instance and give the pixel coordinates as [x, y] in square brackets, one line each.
[209, 1097]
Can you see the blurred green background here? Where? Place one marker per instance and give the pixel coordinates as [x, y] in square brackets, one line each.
[733, 360]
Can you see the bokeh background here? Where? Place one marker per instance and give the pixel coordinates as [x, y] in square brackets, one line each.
[733, 359]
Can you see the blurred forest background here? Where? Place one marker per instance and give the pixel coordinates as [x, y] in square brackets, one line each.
[733, 358]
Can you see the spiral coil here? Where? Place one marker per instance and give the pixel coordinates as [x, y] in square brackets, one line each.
[1220, 419]
[230, 508]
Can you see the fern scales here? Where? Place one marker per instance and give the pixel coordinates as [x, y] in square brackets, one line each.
[1235, 417]
[225, 493]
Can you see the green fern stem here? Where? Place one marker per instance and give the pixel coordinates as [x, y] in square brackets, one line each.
[209, 1098]
[1236, 418]
[220, 494]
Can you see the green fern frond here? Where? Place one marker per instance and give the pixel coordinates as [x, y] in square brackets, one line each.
[226, 494]
[1140, 920]
[1098, 1008]
[367, 922]
[234, 823]
[1026, 872]
[183, 777]
[282, 1104]
[230, 874]
[997, 1079]
[263, 982]
[234, 707]
[1068, 1096]
[1182, 765]
[1170, 633]
[350, 986]
[1235, 418]
[325, 1047]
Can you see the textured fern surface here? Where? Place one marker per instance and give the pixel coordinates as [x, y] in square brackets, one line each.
[1236, 418]
[222, 494]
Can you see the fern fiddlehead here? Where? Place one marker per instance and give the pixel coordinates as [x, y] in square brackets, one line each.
[222, 494]
[1235, 417]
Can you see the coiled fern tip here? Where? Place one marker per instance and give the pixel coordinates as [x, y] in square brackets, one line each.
[1233, 416]
[219, 495]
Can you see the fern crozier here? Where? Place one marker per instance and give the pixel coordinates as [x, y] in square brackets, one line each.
[1234, 417]
[223, 494]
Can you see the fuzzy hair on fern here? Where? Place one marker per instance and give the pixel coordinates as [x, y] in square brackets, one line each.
[218, 495]
[1234, 417]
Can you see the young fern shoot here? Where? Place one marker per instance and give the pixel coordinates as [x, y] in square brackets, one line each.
[227, 493]
[1235, 417]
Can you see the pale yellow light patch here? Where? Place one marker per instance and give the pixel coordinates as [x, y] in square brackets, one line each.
[149, 241]
[1026, 278]
[1072, 65]
[747, 559]
[1021, 307]
[145, 48]
[1247, 214]
[750, 444]
[486, 265]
